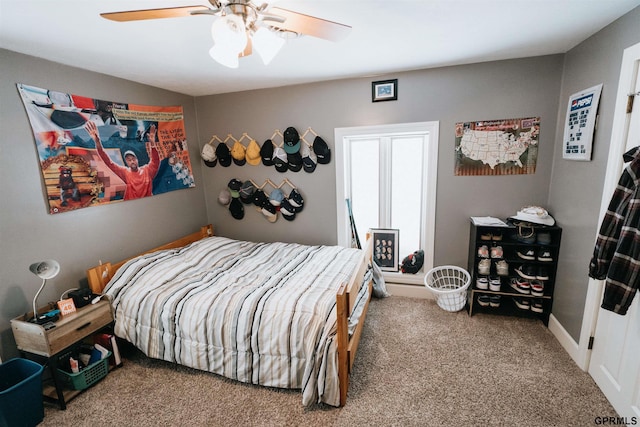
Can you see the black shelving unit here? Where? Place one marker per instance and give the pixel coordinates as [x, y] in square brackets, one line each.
[546, 238]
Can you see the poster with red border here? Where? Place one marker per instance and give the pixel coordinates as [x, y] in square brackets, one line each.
[94, 152]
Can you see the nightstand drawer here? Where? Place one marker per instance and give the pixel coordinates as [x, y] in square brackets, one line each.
[69, 329]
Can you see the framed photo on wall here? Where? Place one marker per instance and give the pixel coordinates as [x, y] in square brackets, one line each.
[385, 248]
[384, 90]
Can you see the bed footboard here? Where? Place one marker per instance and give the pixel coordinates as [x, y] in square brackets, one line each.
[346, 301]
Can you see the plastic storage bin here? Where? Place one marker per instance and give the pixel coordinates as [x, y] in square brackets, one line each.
[20, 393]
[86, 377]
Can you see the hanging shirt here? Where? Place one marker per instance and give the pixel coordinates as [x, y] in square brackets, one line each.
[616, 256]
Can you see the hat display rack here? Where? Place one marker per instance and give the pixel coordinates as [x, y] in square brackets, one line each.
[239, 193]
[286, 151]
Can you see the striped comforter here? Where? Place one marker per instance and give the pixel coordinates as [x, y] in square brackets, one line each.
[260, 313]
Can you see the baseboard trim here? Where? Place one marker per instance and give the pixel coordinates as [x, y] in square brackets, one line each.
[567, 342]
[410, 291]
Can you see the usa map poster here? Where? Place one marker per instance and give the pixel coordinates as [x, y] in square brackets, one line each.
[497, 147]
[94, 152]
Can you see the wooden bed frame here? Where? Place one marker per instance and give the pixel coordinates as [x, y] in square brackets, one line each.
[100, 275]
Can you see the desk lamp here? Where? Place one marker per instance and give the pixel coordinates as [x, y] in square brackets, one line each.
[45, 270]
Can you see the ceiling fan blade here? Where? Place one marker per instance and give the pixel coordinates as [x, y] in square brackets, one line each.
[138, 15]
[309, 25]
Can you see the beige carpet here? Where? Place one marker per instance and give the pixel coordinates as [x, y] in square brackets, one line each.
[417, 366]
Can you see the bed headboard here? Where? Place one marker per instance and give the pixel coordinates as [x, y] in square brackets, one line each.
[100, 275]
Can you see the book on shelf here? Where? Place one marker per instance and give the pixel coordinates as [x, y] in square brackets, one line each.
[109, 342]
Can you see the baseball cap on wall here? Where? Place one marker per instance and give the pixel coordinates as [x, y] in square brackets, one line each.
[280, 159]
[291, 140]
[223, 154]
[296, 200]
[209, 155]
[322, 150]
[294, 162]
[253, 153]
[246, 192]
[238, 153]
[266, 152]
[236, 208]
[309, 159]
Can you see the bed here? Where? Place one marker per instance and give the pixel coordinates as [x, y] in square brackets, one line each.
[274, 314]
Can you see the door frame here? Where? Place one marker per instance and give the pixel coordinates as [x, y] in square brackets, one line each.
[628, 75]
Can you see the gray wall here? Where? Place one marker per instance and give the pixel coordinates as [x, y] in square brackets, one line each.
[77, 239]
[506, 89]
[576, 187]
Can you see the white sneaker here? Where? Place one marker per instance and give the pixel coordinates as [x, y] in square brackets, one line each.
[522, 303]
[495, 283]
[482, 283]
[484, 266]
[528, 254]
[502, 268]
[545, 256]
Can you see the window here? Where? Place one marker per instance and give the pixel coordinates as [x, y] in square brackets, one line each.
[389, 174]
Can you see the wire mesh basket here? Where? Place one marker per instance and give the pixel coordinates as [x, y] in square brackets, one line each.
[448, 284]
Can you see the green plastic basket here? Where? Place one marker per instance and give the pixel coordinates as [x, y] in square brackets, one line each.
[88, 376]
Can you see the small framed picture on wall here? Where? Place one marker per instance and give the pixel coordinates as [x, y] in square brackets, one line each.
[385, 248]
[384, 90]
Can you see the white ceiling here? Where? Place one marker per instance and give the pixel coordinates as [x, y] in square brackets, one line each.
[387, 37]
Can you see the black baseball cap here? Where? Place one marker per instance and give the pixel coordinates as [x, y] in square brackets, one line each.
[236, 208]
[294, 162]
[223, 154]
[291, 140]
[323, 153]
[266, 152]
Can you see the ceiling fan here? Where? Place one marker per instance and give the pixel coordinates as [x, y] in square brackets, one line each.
[240, 26]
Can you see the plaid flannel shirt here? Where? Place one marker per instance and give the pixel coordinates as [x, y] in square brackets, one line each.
[616, 256]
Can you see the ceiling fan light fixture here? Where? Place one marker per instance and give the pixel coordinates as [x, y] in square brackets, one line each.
[224, 56]
[229, 38]
[267, 44]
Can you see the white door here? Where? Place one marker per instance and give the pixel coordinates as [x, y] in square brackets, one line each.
[615, 359]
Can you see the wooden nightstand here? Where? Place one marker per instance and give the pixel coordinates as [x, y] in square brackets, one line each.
[47, 345]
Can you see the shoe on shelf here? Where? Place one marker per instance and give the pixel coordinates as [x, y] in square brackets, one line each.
[522, 303]
[520, 285]
[527, 271]
[542, 274]
[536, 305]
[483, 251]
[486, 236]
[496, 237]
[495, 283]
[502, 268]
[528, 254]
[496, 252]
[545, 255]
[484, 300]
[482, 283]
[484, 267]
[525, 236]
[544, 238]
[537, 288]
[494, 301]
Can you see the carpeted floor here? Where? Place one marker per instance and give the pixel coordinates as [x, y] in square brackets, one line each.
[417, 365]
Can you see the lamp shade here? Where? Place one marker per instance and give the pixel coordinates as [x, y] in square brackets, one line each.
[267, 44]
[47, 269]
[229, 38]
